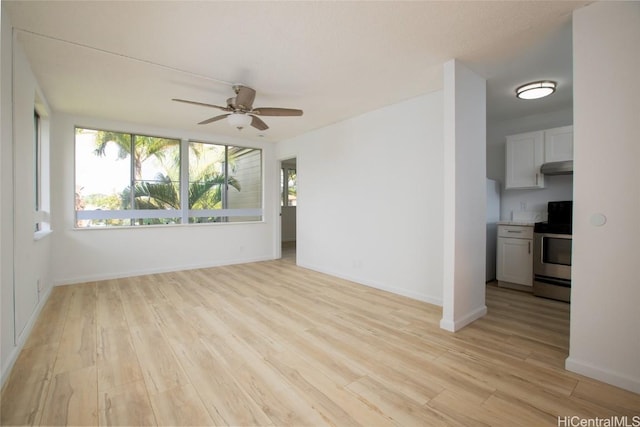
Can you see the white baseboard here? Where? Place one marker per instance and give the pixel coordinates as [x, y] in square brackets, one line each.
[605, 375]
[15, 351]
[453, 325]
[398, 291]
[121, 275]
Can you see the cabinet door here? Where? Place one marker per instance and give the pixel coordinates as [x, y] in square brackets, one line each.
[558, 144]
[515, 261]
[524, 156]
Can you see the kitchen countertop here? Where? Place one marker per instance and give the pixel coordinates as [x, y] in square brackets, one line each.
[521, 223]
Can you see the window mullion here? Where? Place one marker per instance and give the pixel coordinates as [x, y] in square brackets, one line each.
[225, 189]
[184, 180]
[132, 156]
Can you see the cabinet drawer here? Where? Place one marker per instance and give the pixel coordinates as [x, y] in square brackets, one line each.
[515, 231]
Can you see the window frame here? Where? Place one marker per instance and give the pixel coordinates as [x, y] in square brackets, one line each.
[225, 212]
[184, 213]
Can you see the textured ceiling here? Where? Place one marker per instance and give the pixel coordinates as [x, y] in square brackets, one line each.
[335, 60]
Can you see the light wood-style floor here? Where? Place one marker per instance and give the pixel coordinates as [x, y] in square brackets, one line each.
[272, 344]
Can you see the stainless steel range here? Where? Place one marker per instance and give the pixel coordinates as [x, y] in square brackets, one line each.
[552, 253]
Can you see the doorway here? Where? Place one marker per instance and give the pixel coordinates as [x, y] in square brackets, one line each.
[288, 206]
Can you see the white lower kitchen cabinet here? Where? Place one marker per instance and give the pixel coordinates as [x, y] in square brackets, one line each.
[515, 256]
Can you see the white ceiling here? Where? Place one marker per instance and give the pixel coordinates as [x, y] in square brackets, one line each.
[335, 60]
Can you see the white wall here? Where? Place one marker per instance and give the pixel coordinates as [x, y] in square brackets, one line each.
[465, 196]
[6, 197]
[289, 223]
[94, 254]
[558, 187]
[370, 195]
[605, 317]
[26, 260]
[31, 257]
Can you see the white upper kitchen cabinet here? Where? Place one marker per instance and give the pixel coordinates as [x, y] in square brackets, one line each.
[558, 144]
[524, 156]
[526, 152]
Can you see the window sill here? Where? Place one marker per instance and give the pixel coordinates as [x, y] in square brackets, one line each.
[39, 235]
[164, 226]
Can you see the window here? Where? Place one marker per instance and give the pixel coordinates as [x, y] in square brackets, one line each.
[288, 186]
[125, 179]
[41, 193]
[37, 167]
[225, 183]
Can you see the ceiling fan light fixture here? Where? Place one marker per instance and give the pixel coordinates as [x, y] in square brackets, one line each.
[536, 90]
[239, 120]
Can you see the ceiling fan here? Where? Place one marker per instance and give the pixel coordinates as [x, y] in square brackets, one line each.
[240, 111]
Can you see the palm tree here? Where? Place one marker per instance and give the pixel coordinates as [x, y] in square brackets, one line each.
[164, 193]
[145, 147]
[205, 191]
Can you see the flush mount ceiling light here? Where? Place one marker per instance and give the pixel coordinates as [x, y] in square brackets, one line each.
[239, 120]
[536, 90]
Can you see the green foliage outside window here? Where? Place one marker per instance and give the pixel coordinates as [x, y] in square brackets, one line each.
[120, 171]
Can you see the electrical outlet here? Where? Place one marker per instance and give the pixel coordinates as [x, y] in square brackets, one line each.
[523, 206]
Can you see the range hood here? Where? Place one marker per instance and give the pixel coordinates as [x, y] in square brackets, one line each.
[557, 168]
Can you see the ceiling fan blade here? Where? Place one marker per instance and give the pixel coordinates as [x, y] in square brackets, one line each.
[244, 98]
[201, 104]
[257, 123]
[213, 119]
[272, 111]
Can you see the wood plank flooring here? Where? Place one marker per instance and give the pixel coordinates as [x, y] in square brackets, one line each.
[272, 344]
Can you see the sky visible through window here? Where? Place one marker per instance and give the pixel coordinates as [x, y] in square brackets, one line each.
[93, 173]
[107, 174]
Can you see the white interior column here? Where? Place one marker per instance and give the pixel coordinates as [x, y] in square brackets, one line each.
[464, 196]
